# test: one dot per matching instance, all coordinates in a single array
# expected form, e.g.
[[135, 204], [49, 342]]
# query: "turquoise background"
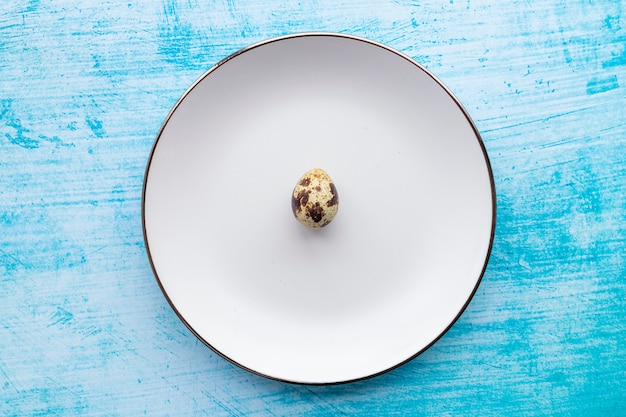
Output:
[[84, 89]]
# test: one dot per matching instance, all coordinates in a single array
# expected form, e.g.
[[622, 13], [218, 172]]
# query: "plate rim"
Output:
[[344, 36]]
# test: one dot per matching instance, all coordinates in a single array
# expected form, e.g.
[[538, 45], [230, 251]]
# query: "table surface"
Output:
[[84, 89]]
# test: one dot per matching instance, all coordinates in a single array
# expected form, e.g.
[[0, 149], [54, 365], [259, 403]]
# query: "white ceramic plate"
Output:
[[399, 263]]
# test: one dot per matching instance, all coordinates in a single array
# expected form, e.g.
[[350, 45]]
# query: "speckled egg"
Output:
[[315, 200]]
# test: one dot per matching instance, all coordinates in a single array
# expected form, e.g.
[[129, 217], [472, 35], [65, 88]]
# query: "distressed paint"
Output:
[[84, 88]]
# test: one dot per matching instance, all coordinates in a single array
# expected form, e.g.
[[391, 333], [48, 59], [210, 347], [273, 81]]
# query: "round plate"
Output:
[[403, 256]]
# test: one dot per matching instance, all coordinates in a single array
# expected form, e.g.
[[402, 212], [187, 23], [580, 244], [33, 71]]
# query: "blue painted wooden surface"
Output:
[[84, 88]]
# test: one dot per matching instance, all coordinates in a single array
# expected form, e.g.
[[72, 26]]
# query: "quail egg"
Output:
[[314, 200]]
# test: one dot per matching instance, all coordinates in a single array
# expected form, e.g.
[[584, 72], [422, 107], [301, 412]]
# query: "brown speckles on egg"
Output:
[[335, 198], [315, 212], [298, 200], [314, 200]]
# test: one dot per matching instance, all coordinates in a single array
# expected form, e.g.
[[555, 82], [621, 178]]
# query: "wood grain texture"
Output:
[[84, 88]]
